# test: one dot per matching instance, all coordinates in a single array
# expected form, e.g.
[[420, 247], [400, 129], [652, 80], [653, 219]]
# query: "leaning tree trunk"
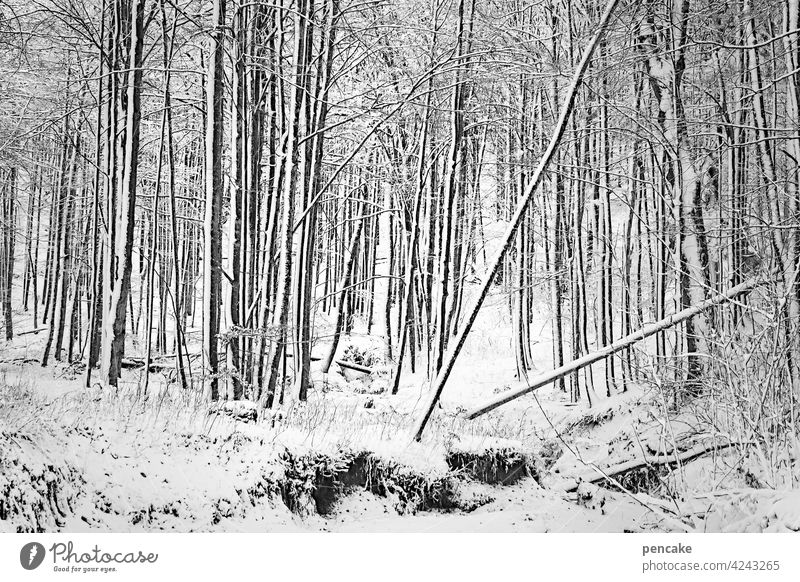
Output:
[[558, 132], [609, 350]]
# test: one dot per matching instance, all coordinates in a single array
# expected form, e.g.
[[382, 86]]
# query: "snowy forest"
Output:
[[399, 265]]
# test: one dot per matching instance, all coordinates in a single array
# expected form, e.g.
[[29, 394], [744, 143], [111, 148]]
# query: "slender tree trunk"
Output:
[[212, 227], [284, 281]]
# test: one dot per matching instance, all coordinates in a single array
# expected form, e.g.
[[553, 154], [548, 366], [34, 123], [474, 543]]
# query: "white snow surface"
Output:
[[163, 462]]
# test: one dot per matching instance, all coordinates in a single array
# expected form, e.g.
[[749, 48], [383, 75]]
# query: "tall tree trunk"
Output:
[[113, 346], [284, 281], [95, 305], [9, 189], [212, 227]]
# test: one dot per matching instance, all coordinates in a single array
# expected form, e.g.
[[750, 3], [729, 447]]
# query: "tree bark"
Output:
[[212, 227], [113, 347]]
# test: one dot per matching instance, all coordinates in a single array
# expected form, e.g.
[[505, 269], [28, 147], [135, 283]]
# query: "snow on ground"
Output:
[[524, 507], [118, 461]]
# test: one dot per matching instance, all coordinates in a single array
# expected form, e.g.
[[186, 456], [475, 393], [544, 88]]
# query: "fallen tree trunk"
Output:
[[608, 474], [356, 367], [558, 131], [313, 358], [628, 340], [32, 331], [131, 363]]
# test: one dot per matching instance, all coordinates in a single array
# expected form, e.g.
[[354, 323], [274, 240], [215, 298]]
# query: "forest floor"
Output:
[[76, 459]]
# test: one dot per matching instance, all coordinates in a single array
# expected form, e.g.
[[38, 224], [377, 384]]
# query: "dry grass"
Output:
[[326, 422]]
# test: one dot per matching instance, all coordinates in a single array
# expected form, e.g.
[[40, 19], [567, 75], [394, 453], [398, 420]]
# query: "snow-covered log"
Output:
[[600, 475], [588, 359]]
